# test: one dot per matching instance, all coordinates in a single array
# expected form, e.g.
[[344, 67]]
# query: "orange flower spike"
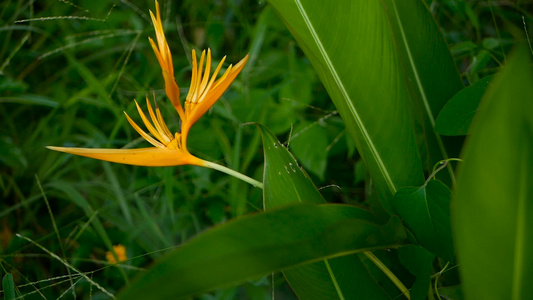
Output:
[[162, 52], [148, 157], [205, 91]]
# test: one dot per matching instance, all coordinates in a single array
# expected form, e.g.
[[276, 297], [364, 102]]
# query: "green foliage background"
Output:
[[68, 70]]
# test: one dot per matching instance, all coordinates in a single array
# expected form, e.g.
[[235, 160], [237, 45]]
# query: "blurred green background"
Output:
[[68, 70]]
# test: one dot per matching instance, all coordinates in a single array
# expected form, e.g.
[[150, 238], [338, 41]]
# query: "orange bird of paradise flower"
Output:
[[171, 149]]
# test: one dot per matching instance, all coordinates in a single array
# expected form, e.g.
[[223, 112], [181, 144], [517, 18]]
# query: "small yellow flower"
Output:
[[170, 149], [120, 251]]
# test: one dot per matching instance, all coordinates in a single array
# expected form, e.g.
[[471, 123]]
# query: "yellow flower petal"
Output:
[[148, 138], [120, 251], [148, 125], [162, 121], [149, 157], [162, 129]]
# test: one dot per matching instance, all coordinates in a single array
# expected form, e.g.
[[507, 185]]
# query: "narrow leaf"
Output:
[[493, 210], [8, 285], [285, 182], [262, 243]]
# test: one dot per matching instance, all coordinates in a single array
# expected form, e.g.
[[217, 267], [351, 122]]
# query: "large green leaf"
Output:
[[383, 63], [314, 158], [426, 212], [285, 182], [258, 244], [432, 77], [418, 261], [352, 48], [456, 116], [492, 214]]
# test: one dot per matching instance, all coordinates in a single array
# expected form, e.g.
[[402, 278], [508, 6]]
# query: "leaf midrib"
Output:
[[422, 90], [341, 87], [518, 260]]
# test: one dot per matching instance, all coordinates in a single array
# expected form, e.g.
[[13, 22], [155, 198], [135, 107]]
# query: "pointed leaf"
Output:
[[418, 261], [314, 158], [262, 243], [457, 114], [493, 210], [328, 279], [285, 182], [426, 212]]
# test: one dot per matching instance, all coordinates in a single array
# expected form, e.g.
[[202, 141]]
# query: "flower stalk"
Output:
[[234, 173]]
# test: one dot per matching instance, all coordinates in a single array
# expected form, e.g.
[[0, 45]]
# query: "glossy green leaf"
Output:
[[426, 212], [418, 261], [262, 243], [431, 74], [309, 144], [8, 286], [456, 116], [493, 209], [327, 279], [285, 182], [356, 58]]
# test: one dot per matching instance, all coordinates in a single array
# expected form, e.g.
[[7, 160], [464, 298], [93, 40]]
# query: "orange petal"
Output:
[[164, 57], [165, 134], [162, 121], [215, 74], [203, 84], [148, 125], [150, 157], [214, 94], [173, 92], [147, 137]]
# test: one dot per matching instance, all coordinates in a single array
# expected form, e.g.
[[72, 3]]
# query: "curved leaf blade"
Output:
[[418, 261], [262, 243], [286, 183], [426, 212], [432, 77], [493, 209], [456, 116]]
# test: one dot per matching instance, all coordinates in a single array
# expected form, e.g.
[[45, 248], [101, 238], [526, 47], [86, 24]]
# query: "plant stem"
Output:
[[389, 273], [233, 173]]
